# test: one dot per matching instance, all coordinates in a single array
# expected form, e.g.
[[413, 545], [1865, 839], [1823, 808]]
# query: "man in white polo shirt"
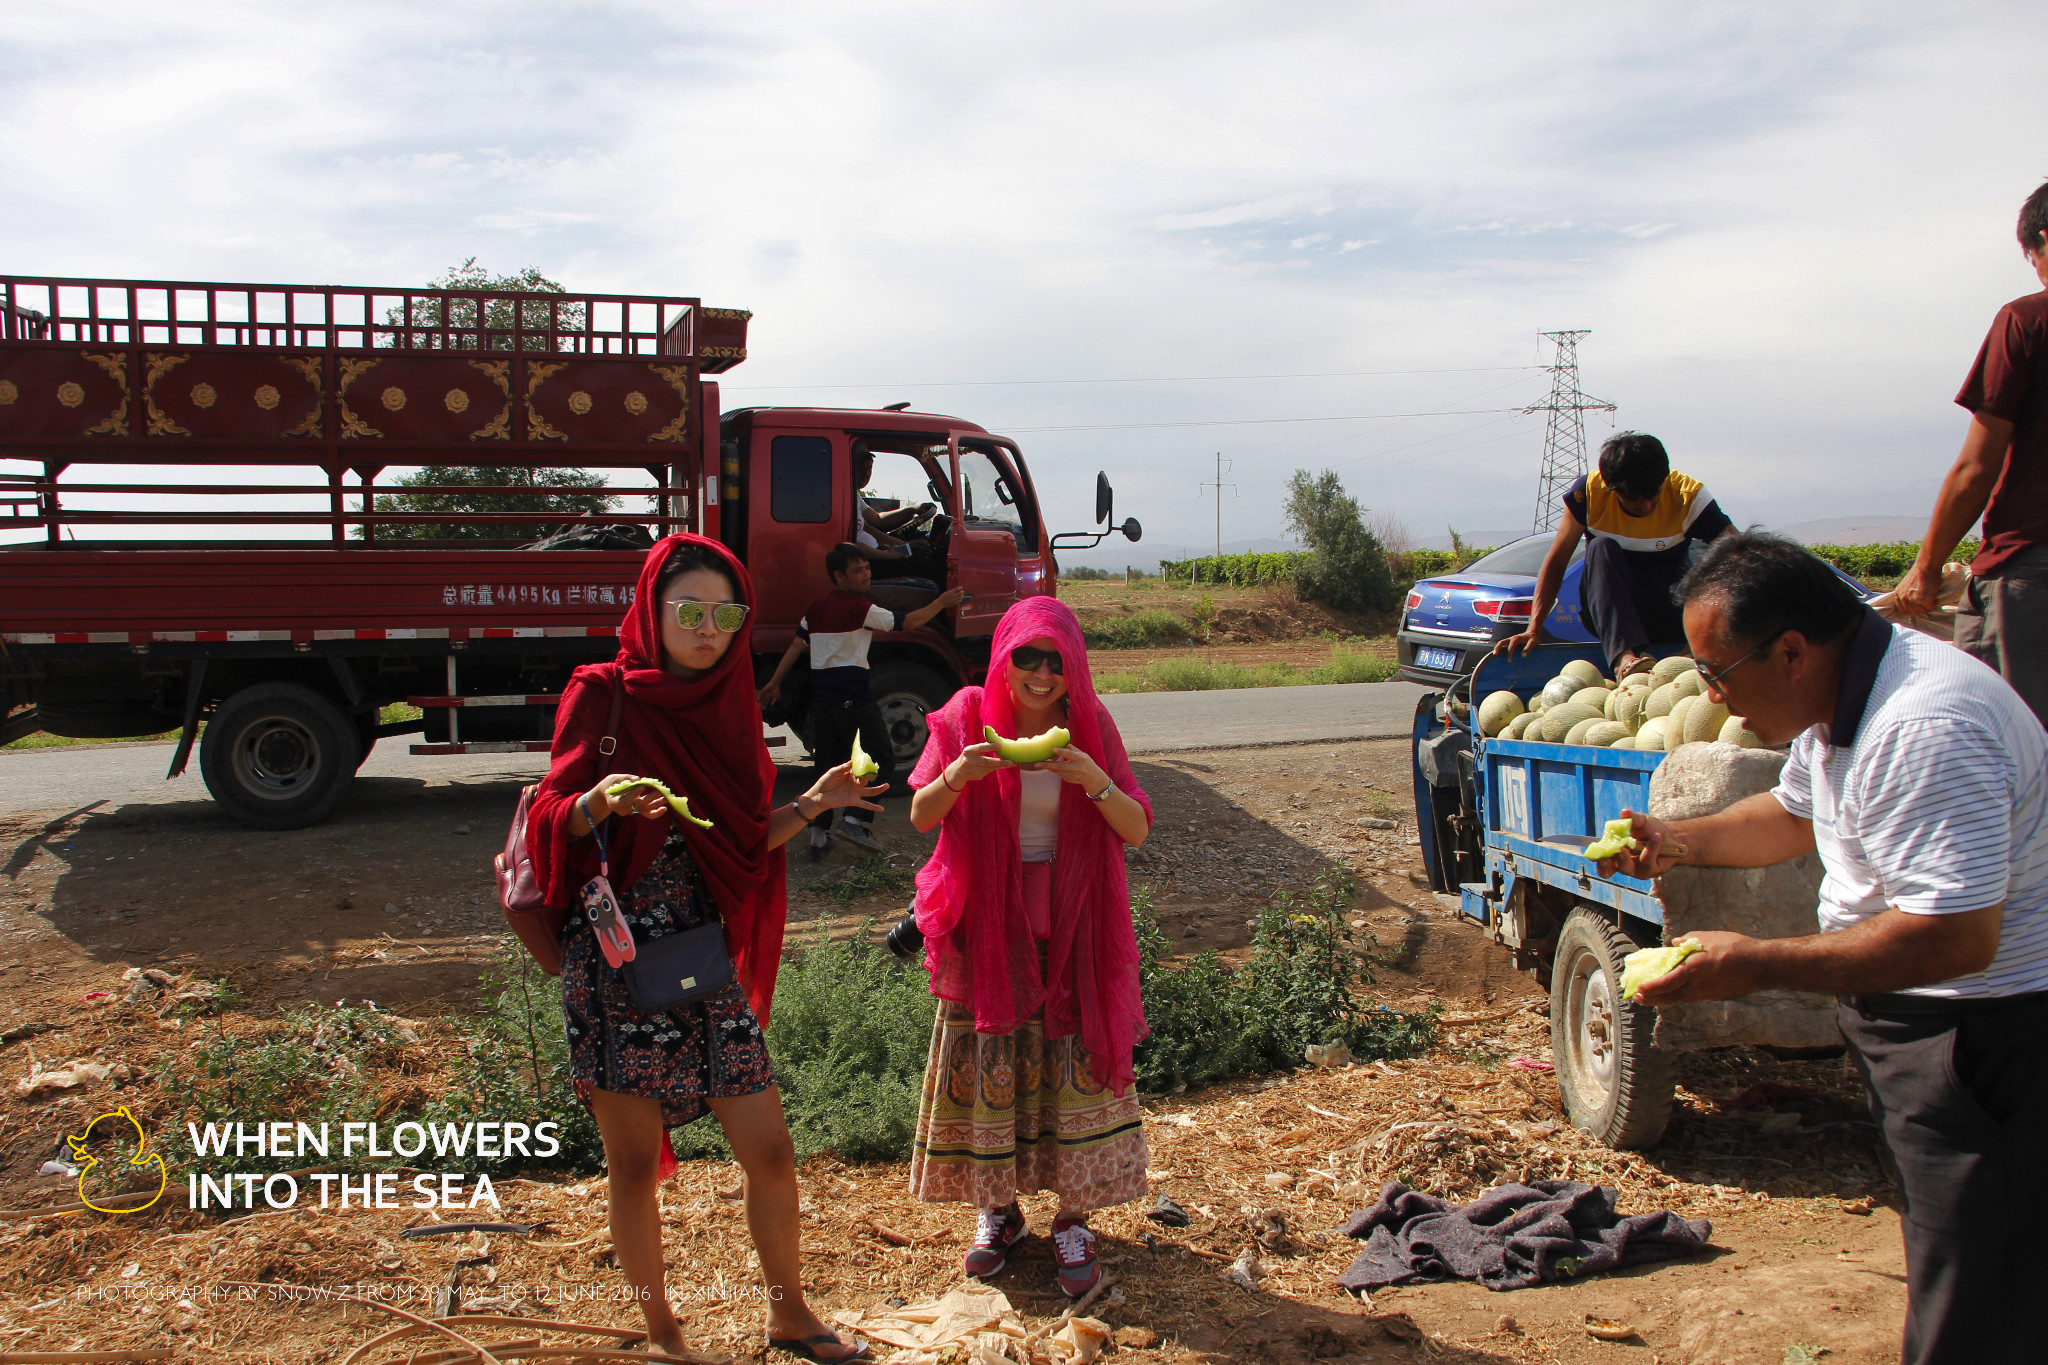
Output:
[[1921, 778]]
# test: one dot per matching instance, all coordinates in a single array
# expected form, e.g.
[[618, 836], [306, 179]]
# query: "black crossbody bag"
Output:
[[675, 969]]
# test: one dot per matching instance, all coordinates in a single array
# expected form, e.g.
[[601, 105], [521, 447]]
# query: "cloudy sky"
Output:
[[1132, 235]]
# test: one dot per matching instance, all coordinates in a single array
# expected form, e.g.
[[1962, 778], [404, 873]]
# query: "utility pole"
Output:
[[1219, 486], [1564, 439]]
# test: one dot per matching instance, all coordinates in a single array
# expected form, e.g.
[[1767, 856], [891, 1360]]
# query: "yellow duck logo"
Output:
[[86, 1161]]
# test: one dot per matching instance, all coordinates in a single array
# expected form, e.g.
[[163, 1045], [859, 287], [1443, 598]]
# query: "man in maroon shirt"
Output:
[[2002, 474]]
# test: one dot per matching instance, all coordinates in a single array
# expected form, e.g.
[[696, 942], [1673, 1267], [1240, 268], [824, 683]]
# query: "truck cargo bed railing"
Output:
[[297, 317]]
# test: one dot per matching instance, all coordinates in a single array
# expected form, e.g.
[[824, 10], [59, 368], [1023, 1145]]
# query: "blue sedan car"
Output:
[[1450, 623]]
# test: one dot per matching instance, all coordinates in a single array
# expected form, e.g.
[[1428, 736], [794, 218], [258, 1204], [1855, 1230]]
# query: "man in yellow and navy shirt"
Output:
[[1641, 517]]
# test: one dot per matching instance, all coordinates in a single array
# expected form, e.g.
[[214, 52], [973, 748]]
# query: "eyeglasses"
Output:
[[1029, 657], [725, 616], [1714, 680]]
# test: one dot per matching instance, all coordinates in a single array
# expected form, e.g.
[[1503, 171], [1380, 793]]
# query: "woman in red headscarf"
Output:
[[689, 717], [1028, 937]]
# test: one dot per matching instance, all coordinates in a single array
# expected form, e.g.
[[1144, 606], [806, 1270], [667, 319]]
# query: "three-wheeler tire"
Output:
[[1614, 1084], [278, 755], [905, 693]]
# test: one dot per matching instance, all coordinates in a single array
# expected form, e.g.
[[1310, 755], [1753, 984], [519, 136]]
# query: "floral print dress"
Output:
[[708, 1049]]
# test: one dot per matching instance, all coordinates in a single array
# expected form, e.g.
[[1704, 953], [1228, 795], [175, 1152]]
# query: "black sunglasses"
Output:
[[1029, 657]]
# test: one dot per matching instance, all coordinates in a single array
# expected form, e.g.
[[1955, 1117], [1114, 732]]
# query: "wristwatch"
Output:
[[1103, 795]]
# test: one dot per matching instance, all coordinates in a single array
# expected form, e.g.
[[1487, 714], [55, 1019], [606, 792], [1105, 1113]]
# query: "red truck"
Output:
[[287, 649]]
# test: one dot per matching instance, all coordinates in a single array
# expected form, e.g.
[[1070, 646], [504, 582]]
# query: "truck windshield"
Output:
[[987, 496]]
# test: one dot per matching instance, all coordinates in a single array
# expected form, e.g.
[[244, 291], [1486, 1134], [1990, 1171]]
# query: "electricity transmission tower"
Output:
[[1564, 438], [1219, 486]]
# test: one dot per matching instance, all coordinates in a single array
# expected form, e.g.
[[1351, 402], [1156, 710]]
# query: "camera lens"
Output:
[[906, 940]]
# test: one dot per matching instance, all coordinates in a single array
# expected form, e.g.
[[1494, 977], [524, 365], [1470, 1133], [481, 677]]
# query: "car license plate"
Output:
[[1445, 659]]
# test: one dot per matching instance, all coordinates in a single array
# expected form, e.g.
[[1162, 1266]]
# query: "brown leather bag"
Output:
[[538, 924]]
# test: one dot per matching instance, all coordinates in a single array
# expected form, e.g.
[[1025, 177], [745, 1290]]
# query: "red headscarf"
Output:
[[702, 736], [970, 896]]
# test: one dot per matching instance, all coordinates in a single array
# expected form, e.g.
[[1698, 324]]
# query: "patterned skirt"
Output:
[[1011, 1113], [708, 1049]]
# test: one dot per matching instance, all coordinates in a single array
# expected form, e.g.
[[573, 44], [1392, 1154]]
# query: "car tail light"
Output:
[[1515, 609], [1414, 601]]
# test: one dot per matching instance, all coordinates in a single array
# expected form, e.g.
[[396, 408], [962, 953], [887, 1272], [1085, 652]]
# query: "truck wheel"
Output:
[[366, 737], [905, 693], [1613, 1083], [278, 755]]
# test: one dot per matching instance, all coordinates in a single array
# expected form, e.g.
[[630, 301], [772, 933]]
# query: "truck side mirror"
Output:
[[1105, 499], [1132, 531]]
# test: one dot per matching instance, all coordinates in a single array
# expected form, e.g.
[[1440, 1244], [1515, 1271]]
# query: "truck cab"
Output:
[[786, 495]]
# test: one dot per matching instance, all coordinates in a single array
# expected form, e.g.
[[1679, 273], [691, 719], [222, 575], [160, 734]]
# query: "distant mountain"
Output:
[[1855, 530]]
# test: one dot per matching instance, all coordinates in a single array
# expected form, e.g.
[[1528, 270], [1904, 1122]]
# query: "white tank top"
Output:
[[1038, 815]]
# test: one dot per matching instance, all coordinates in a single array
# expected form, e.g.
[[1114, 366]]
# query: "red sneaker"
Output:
[[995, 1232], [1073, 1251]]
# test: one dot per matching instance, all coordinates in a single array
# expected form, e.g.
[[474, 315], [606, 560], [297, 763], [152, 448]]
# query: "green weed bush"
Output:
[[1148, 628], [1305, 982]]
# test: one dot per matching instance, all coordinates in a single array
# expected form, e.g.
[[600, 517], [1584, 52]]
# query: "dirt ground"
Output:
[[391, 901]]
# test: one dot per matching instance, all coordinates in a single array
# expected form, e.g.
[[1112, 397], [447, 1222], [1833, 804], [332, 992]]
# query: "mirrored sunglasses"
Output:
[[1029, 657], [725, 616]]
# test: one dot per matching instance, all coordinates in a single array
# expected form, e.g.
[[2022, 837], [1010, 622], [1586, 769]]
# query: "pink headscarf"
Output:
[[970, 896]]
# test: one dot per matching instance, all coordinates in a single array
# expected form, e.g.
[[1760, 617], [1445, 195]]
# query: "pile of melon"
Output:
[[1661, 710]]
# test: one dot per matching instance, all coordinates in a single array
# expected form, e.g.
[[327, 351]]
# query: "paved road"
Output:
[[1152, 723]]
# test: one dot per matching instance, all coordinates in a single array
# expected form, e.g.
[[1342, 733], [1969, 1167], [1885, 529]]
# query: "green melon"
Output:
[[1577, 734], [1733, 731], [1587, 672], [1604, 734], [1559, 720], [1595, 697], [1674, 719], [1628, 707], [1497, 710], [1559, 689], [1625, 742], [1651, 736], [1517, 727], [1690, 683], [1664, 670], [1659, 702], [1705, 720]]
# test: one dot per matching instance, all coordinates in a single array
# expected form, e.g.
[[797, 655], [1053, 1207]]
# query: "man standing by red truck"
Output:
[[2002, 475], [838, 630]]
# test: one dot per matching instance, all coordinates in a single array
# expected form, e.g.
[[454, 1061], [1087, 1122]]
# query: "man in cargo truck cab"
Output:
[[1921, 779], [1642, 517]]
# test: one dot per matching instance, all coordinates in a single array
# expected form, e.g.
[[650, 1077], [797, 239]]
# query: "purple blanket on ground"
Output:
[[1510, 1237]]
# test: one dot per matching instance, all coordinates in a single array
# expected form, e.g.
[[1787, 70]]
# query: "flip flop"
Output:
[[801, 1348], [1642, 663]]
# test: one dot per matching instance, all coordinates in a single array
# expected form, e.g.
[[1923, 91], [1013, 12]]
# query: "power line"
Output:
[[1265, 421], [1159, 379], [1564, 438]]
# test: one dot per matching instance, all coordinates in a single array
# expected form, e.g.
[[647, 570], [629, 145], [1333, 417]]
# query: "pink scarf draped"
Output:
[[970, 896]]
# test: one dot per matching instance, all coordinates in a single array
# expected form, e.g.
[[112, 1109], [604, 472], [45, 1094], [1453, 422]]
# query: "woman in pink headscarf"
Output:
[[1028, 937]]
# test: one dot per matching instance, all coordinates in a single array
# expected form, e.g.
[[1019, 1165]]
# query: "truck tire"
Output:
[[905, 693], [1613, 1083], [278, 755], [366, 737]]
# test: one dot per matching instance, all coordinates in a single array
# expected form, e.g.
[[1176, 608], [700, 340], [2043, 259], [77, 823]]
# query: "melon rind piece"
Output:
[[1645, 965], [1497, 710], [1559, 720]]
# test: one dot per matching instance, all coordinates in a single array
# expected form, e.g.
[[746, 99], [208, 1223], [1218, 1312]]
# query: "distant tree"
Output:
[[553, 508], [1347, 567]]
